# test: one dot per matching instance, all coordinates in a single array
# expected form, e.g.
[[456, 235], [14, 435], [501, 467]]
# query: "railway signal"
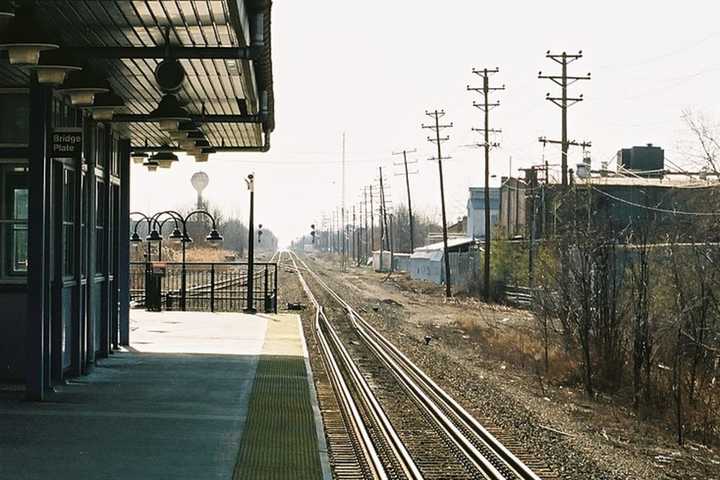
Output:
[[260, 232], [312, 232]]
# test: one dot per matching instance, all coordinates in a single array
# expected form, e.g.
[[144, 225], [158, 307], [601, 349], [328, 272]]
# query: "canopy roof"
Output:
[[224, 47]]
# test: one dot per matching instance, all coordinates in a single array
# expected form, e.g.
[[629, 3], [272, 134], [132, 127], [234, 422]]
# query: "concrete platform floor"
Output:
[[176, 406]]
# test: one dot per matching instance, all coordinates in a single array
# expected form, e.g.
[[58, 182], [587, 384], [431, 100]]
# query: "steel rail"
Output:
[[330, 342], [415, 380]]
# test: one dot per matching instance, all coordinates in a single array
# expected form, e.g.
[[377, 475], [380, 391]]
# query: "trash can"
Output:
[[153, 289]]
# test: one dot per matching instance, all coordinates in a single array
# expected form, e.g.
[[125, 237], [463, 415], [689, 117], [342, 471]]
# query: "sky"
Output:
[[372, 69]]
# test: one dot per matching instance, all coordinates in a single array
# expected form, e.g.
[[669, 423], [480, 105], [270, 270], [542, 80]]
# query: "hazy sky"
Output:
[[372, 68]]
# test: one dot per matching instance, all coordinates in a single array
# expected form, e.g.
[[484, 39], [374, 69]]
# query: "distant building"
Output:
[[641, 193], [428, 263], [513, 216], [476, 211]]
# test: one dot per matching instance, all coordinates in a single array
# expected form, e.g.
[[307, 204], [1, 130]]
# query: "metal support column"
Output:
[[123, 269], [37, 348]]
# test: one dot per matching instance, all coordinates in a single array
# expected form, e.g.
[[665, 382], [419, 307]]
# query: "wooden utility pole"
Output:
[[372, 222], [437, 114], [486, 106], [366, 222], [344, 223], [385, 240], [564, 102], [409, 200]]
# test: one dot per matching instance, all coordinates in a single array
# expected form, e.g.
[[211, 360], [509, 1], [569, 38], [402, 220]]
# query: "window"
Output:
[[14, 118], [13, 221], [68, 222], [100, 251]]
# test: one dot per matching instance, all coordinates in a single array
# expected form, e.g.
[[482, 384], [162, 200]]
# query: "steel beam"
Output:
[[147, 118], [211, 53]]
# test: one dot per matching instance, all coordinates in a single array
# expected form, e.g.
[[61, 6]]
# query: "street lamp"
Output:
[[155, 228], [250, 306]]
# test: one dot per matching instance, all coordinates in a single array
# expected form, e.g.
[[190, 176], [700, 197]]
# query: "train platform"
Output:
[[196, 396]]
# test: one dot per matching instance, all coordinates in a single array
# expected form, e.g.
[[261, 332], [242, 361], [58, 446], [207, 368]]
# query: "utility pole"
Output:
[[486, 106], [344, 223], [437, 114], [407, 185], [372, 222], [366, 223], [385, 240], [564, 102]]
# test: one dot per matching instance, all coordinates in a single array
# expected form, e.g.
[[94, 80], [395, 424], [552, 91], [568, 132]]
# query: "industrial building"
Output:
[[641, 193], [476, 211]]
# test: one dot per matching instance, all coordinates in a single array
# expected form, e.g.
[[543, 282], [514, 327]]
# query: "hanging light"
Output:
[[169, 113], [176, 235], [105, 105], [82, 87], [135, 238], [22, 38], [154, 236], [202, 157], [183, 129], [53, 67], [150, 164], [165, 159], [138, 157], [214, 238]]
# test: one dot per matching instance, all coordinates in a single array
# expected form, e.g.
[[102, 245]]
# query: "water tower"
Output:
[[200, 181]]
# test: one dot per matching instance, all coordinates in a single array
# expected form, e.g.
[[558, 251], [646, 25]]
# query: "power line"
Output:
[[656, 209]]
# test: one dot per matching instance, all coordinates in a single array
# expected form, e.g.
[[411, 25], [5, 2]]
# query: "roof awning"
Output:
[[223, 46]]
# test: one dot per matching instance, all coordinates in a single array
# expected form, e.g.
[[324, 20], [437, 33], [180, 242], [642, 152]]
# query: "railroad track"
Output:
[[400, 423]]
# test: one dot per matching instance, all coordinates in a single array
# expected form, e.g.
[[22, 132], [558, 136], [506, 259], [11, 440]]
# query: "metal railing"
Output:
[[208, 287]]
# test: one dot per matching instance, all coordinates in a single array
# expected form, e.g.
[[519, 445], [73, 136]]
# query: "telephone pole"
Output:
[[486, 106], [372, 222], [437, 114], [407, 184], [366, 222], [563, 101], [344, 223], [385, 240]]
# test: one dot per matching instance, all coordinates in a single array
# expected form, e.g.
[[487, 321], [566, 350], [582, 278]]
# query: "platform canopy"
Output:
[[223, 46]]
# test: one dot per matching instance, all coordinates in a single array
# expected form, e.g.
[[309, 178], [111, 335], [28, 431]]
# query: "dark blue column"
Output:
[[37, 348], [123, 243]]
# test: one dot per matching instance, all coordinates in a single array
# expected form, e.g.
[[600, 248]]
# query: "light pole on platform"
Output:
[[250, 307]]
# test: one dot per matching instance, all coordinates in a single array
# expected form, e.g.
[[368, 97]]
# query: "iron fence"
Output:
[[198, 287]]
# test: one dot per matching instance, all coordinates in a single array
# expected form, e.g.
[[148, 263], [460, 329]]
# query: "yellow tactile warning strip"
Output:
[[280, 439], [282, 336]]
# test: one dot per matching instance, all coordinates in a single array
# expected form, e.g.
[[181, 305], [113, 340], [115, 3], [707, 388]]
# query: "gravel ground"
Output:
[[579, 439]]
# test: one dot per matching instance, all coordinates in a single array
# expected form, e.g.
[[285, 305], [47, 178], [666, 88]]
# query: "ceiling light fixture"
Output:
[[82, 87], [169, 113], [22, 38], [105, 105]]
